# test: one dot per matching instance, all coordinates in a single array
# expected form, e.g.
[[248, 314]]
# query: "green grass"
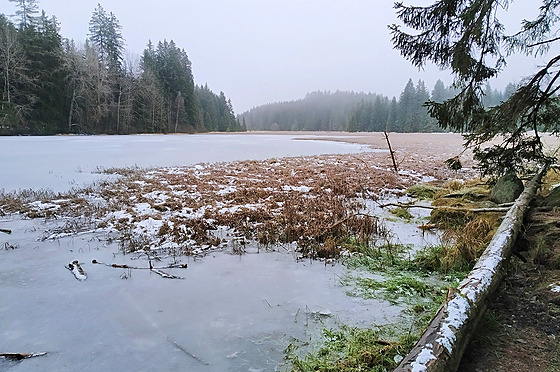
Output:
[[435, 258], [387, 257], [352, 349], [403, 213], [422, 191], [391, 289]]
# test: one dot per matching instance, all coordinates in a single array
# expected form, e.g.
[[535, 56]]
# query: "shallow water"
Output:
[[60, 163], [230, 313]]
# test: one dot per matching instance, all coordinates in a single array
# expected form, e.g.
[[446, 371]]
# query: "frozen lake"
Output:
[[229, 313], [60, 163]]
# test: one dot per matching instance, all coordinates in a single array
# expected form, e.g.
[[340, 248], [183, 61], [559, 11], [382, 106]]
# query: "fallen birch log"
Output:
[[444, 341]]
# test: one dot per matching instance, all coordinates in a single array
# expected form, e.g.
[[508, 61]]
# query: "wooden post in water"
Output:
[[391, 151]]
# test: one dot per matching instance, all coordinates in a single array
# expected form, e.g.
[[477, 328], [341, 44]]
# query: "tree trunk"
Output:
[[71, 113], [119, 110], [444, 341]]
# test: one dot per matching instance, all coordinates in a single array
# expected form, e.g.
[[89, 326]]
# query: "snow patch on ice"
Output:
[[226, 190], [143, 209], [428, 179], [119, 215], [40, 206], [157, 196], [236, 208], [148, 226]]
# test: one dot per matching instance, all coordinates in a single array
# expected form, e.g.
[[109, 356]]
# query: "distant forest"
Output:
[[360, 112], [52, 85]]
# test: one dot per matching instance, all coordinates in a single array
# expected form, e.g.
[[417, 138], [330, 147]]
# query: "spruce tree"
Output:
[[27, 11], [105, 34], [467, 37]]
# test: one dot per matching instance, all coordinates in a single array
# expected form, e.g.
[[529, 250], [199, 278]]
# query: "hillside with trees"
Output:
[[360, 112], [53, 85]]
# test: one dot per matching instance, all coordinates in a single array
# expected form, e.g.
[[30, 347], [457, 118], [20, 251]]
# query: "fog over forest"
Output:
[[361, 112]]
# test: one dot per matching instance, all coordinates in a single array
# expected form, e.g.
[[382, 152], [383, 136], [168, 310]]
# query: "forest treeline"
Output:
[[361, 112], [52, 85]]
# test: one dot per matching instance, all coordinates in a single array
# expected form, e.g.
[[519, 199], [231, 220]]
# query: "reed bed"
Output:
[[314, 202]]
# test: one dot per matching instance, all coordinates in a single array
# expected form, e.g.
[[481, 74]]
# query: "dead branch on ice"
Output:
[[77, 270], [156, 270], [6, 231], [444, 341], [20, 356], [119, 266], [391, 152], [459, 209], [165, 275], [184, 350]]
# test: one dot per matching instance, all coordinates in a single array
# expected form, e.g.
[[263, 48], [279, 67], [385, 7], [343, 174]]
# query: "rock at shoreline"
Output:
[[507, 189]]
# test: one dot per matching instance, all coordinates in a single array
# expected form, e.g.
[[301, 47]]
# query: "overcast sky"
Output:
[[262, 51]]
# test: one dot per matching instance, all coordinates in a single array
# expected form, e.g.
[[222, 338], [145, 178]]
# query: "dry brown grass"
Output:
[[467, 241], [312, 201]]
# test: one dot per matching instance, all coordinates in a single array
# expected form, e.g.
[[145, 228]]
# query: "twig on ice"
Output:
[[76, 269], [20, 356], [474, 210], [180, 347], [156, 270]]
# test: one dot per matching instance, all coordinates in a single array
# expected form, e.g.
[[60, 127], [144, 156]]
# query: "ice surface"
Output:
[[63, 162], [232, 312]]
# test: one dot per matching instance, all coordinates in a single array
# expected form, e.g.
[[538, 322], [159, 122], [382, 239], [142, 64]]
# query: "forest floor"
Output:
[[521, 330]]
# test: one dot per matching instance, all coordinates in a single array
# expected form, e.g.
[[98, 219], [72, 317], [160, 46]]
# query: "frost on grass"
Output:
[[312, 201]]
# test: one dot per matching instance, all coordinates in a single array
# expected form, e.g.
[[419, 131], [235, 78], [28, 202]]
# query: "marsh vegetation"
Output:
[[326, 208]]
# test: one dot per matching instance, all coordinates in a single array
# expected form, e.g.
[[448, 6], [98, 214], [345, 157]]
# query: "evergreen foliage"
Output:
[[467, 37], [356, 112], [51, 85]]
